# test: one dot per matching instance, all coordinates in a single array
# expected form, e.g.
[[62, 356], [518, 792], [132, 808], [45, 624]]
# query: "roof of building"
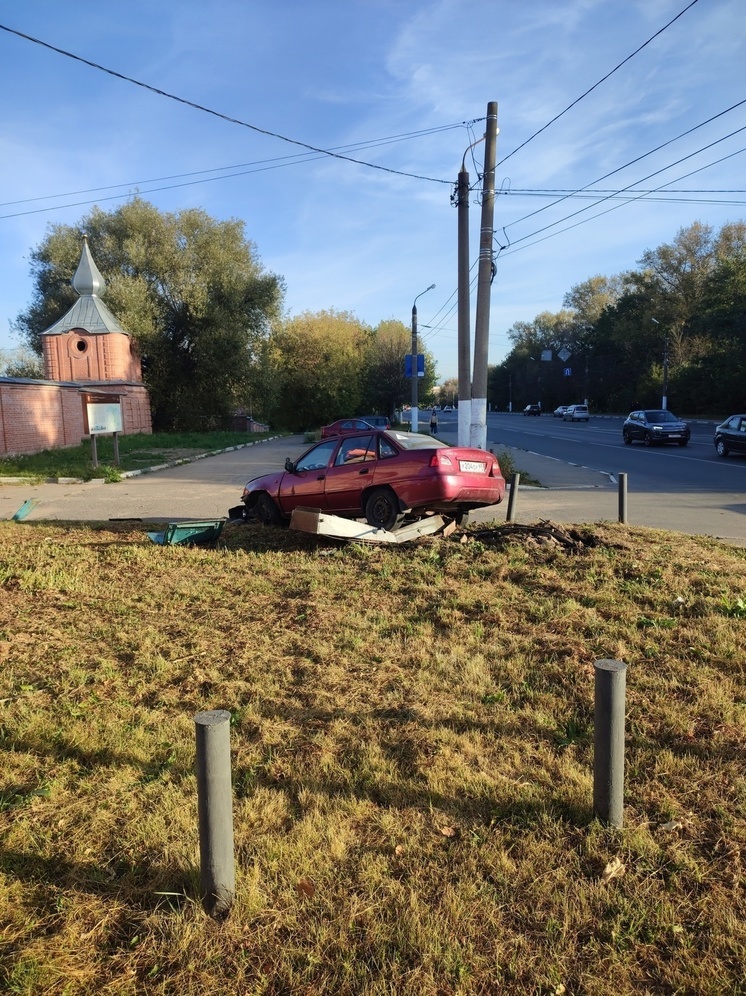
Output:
[[89, 312]]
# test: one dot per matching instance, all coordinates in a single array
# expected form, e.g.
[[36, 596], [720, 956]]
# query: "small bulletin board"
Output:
[[104, 417]]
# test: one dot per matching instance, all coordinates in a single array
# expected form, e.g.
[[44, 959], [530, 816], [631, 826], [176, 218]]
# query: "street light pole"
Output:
[[415, 385]]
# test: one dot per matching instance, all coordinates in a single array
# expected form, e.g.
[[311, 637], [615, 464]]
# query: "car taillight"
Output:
[[440, 459]]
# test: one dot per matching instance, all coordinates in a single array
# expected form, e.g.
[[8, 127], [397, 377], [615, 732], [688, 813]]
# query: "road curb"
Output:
[[144, 470]]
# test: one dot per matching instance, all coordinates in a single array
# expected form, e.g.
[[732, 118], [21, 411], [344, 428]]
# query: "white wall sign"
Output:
[[104, 418]]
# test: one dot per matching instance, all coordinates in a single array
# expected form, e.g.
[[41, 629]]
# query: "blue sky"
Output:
[[399, 84]]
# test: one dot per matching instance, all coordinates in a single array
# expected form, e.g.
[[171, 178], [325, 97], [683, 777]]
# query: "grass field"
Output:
[[412, 752], [136, 452]]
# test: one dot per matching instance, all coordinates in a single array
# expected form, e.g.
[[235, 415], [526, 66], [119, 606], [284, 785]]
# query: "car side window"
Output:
[[318, 457], [385, 449], [355, 449]]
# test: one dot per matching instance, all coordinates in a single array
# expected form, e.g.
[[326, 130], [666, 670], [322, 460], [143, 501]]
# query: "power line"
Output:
[[602, 80], [518, 247], [261, 165], [632, 162], [217, 114]]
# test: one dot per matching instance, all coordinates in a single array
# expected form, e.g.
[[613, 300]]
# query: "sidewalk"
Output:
[[207, 488]]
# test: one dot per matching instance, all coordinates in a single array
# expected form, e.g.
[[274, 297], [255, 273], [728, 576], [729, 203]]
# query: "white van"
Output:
[[576, 413]]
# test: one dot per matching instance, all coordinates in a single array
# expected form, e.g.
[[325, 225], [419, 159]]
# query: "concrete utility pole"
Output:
[[464, 305], [478, 431]]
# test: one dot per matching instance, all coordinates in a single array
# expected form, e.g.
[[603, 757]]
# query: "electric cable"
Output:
[[214, 113], [602, 80], [517, 247]]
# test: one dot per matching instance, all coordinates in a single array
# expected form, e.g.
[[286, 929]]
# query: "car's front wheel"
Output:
[[683, 442], [627, 438], [266, 511], [648, 439], [382, 509], [721, 449]]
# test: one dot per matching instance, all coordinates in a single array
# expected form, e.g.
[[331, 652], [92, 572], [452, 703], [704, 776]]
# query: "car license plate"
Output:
[[674, 435], [471, 467]]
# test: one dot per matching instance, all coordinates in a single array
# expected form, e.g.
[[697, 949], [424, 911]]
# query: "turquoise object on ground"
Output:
[[186, 533], [23, 511]]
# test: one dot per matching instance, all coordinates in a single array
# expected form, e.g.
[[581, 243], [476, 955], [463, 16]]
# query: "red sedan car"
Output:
[[344, 426], [378, 476]]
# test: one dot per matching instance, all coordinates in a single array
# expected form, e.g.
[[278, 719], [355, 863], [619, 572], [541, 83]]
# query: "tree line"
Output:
[[679, 318], [208, 322]]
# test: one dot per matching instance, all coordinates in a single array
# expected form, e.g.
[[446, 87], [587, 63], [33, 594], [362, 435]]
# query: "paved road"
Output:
[[598, 444], [208, 488]]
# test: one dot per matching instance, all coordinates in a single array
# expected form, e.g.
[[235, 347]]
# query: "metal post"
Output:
[[608, 759], [623, 498], [116, 449], [664, 402], [414, 424], [215, 808], [514, 482], [94, 451]]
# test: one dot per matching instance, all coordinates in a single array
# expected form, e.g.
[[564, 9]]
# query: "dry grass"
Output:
[[412, 759]]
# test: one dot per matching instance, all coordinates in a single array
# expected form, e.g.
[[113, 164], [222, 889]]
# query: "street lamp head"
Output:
[[420, 295]]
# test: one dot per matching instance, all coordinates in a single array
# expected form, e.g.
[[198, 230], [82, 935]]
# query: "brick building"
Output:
[[88, 357]]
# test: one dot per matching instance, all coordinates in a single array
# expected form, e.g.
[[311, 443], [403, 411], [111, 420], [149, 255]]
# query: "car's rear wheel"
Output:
[[382, 509], [648, 439], [721, 449], [627, 438], [266, 511]]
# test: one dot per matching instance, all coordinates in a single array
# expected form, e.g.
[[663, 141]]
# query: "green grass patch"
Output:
[[412, 752], [136, 452]]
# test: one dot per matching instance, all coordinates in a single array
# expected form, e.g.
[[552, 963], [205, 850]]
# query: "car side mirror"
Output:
[[289, 465]]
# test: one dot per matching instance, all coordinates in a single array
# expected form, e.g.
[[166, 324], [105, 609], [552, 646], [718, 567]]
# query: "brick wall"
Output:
[[78, 355], [39, 415]]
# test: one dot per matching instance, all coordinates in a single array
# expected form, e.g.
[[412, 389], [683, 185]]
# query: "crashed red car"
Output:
[[379, 476]]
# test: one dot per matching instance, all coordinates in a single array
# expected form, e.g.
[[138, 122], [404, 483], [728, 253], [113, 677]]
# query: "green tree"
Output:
[[319, 363], [190, 289], [20, 362], [385, 386]]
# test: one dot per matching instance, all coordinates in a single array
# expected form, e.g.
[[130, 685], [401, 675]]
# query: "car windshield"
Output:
[[416, 441], [660, 416]]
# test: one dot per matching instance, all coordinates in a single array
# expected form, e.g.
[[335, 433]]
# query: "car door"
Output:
[[636, 425], [351, 471], [737, 435], [305, 486]]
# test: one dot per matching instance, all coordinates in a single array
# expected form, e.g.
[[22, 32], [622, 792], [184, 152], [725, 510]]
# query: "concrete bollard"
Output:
[[215, 808], [608, 742], [623, 499], [514, 482]]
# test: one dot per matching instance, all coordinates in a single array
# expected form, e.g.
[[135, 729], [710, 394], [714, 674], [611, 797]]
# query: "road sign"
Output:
[[420, 365], [568, 371]]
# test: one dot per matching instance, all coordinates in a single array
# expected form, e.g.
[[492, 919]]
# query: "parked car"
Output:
[[377, 476], [576, 413], [448, 408], [532, 410], [343, 426], [730, 436], [377, 421], [655, 425], [560, 411]]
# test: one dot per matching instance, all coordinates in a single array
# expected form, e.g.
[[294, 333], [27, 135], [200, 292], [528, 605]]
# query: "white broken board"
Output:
[[311, 520]]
